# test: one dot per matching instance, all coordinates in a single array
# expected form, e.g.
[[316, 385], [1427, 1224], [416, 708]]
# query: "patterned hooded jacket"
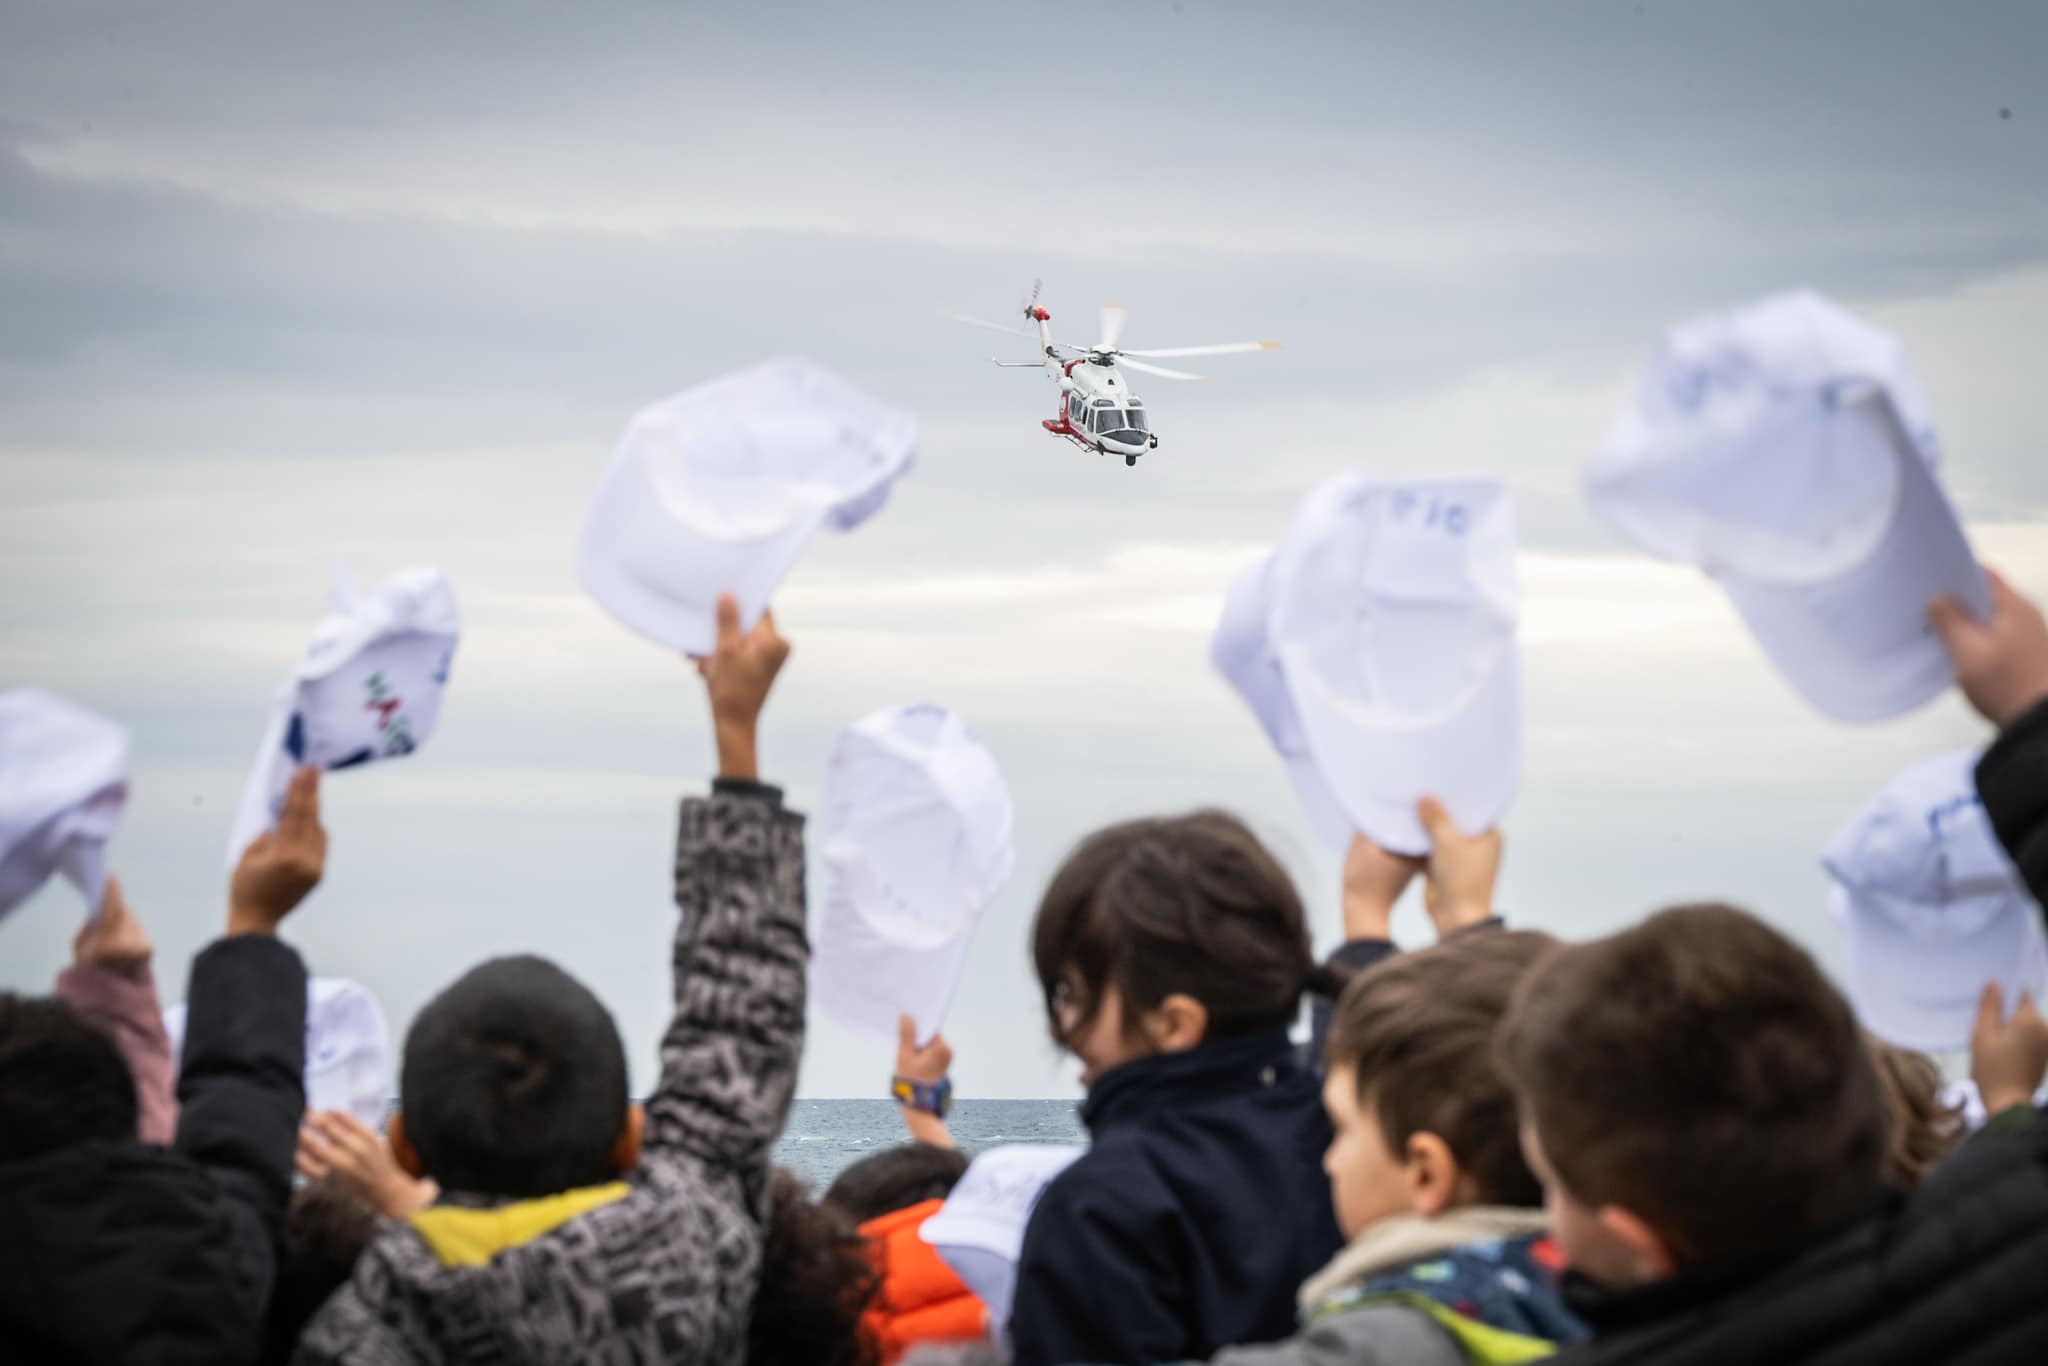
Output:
[[660, 1266], [1474, 1287]]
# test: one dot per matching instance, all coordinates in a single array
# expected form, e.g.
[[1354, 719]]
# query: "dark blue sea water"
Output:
[[825, 1136]]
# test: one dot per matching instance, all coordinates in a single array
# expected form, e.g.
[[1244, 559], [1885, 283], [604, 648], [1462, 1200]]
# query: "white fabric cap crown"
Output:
[[916, 832], [1394, 615], [63, 785], [718, 488], [1933, 907], [348, 1049], [1786, 449], [369, 688]]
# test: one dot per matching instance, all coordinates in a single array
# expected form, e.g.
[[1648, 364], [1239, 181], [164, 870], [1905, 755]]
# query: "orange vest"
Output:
[[921, 1300]]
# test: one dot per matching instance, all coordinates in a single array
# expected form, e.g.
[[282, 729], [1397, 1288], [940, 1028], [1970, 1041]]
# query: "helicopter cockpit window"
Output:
[[1135, 419]]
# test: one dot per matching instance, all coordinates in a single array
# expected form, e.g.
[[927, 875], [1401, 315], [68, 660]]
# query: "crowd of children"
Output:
[[1673, 1144]]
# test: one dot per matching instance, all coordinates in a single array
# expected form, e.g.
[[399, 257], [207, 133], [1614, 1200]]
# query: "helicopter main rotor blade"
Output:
[[1226, 349], [1113, 316], [983, 322], [1124, 361]]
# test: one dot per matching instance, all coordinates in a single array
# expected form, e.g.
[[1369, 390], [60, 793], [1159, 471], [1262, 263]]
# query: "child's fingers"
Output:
[[2028, 1016], [1990, 1014], [347, 1136], [728, 623], [301, 814]]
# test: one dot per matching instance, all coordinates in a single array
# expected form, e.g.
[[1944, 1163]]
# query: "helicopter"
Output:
[[1098, 411]]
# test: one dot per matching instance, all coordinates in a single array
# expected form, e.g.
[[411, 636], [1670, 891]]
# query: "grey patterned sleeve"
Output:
[[729, 1058]]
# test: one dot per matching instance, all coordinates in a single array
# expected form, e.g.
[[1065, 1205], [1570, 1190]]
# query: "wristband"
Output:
[[934, 1098]]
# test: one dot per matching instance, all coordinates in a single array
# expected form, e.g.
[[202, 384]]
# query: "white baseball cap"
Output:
[[979, 1230], [370, 687], [916, 827], [1393, 613], [1785, 448], [348, 1049], [1242, 651], [63, 784], [1933, 907], [717, 489]]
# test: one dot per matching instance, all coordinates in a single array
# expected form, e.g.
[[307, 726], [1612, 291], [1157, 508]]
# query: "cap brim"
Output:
[[663, 579], [1379, 769], [1922, 993], [867, 982], [1858, 646]]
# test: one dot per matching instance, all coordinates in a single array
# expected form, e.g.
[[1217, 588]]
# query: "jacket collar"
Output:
[[1396, 1242], [1137, 1091], [470, 1236]]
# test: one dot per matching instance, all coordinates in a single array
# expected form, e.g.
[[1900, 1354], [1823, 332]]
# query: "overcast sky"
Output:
[[280, 287]]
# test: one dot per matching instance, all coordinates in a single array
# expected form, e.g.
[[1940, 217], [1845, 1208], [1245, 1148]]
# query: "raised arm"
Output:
[[729, 1058], [1458, 876], [110, 983], [2002, 667], [241, 1088]]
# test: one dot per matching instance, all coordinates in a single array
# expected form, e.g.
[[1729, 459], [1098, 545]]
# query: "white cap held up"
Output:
[[1933, 907], [63, 785], [1786, 449], [916, 830], [369, 687], [1393, 613], [718, 488]]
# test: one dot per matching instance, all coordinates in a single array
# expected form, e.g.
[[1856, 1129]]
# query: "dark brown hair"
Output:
[[1919, 1128], [1699, 1071], [1418, 1031], [816, 1282], [896, 1178], [327, 1226], [1191, 905]]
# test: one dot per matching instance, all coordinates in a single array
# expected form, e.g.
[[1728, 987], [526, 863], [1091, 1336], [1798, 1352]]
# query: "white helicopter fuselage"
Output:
[[1098, 411]]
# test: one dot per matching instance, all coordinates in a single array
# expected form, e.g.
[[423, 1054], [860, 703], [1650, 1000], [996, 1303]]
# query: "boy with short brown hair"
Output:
[[1447, 1262], [1707, 1122]]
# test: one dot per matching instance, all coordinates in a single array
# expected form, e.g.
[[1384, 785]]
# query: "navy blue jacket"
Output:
[[1193, 1219]]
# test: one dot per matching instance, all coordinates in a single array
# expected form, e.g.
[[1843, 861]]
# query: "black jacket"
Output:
[[1957, 1273], [123, 1252], [1192, 1220]]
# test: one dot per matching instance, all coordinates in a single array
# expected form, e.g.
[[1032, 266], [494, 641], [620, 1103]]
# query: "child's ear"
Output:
[[1650, 1256], [626, 1152], [1177, 1024], [1435, 1181], [402, 1150]]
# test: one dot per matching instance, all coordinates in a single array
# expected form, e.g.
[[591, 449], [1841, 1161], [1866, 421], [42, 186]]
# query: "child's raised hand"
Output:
[[335, 1143], [1462, 868], [1373, 881], [737, 675], [2008, 1056], [280, 866], [114, 939], [926, 1062], [2002, 664]]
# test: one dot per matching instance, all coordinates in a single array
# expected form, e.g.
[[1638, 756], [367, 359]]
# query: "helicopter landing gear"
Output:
[[1130, 460]]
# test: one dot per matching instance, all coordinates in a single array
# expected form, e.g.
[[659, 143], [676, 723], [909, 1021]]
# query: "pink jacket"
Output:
[[126, 1007]]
